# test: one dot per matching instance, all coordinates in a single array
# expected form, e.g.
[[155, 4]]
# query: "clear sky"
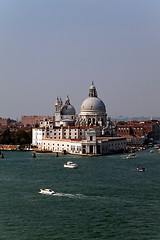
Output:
[[58, 47]]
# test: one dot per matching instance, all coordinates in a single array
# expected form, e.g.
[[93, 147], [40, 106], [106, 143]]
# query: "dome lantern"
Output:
[[92, 91], [67, 101]]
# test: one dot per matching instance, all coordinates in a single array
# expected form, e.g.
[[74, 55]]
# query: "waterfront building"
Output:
[[139, 132], [90, 133], [98, 146]]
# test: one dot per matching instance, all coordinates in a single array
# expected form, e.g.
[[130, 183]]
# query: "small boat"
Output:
[[47, 191], [33, 155], [151, 151], [140, 169], [150, 144], [156, 146], [70, 165], [132, 155]]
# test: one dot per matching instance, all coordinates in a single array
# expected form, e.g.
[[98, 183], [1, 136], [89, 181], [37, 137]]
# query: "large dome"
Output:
[[68, 110], [92, 104]]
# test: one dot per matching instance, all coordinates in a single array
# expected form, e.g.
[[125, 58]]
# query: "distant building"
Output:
[[34, 120], [134, 130], [5, 121], [90, 133]]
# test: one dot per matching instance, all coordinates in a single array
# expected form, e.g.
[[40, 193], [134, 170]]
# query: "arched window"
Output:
[[102, 121], [89, 121]]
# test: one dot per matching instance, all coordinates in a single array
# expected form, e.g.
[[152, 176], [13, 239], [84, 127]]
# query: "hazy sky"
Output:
[[51, 48]]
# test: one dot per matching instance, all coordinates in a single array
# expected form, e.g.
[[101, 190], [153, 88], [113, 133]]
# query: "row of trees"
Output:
[[19, 137]]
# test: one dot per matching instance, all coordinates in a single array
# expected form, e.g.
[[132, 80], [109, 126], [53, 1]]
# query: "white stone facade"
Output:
[[86, 147], [37, 136]]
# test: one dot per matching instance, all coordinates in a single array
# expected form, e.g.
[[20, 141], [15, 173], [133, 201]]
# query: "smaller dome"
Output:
[[68, 110]]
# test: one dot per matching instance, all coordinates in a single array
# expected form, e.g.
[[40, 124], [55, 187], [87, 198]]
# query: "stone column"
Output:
[[95, 149], [87, 149]]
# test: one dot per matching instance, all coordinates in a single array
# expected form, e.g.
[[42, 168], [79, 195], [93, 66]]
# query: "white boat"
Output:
[[47, 191], [132, 155], [151, 151], [140, 169], [70, 165]]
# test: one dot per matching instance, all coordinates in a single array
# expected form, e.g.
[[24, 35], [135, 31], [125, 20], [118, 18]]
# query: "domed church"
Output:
[[93, 110], [90, 133]]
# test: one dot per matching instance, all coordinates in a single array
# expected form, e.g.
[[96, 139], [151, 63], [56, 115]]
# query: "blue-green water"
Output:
[[105, 198]]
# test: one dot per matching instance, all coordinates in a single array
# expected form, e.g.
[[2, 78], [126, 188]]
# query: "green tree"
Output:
[[6, 137], [20, 137]]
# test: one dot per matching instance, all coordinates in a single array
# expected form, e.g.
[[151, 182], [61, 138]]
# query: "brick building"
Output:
[[5, 121], [148, 128], [34, 120]]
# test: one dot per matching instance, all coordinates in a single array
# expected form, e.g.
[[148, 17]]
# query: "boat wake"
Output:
[[77, 196], [69, 195]]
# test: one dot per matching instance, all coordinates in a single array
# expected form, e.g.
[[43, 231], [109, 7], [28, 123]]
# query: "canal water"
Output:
[[104, 198]]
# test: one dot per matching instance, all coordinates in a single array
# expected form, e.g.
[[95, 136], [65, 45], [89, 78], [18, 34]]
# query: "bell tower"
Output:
[[58, 106]]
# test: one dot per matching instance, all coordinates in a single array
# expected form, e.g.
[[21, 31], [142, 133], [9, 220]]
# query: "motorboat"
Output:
[[157, 146], [132, 155], [33, 155], [70, 164], [151, 151], [140, 169], [47, 191]]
